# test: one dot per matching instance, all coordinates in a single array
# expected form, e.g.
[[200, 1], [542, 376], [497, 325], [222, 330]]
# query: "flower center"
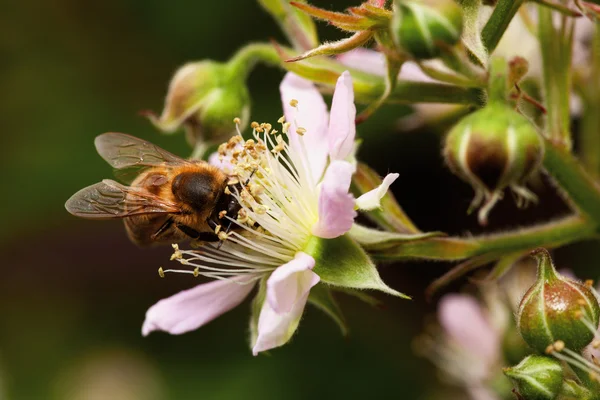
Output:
[[279, 206]]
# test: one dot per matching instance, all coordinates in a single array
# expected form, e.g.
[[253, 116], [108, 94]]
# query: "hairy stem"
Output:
[[246, 58], [581, 188], [496, 26], [552, 234], [590, 132]]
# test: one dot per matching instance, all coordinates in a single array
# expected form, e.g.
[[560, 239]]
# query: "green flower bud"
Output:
[[494, 148], [423, 28], [557, 310], [537, 377], [204, 97]]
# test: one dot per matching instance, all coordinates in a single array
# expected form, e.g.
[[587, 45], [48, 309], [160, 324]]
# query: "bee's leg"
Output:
[[194, 234], [162, 228]]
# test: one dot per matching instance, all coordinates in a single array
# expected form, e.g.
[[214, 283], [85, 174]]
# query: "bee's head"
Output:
[[196, 189]]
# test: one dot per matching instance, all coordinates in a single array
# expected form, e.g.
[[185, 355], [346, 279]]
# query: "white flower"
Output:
[[292, 193]]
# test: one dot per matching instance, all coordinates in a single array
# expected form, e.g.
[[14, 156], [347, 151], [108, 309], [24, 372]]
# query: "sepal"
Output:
[[373, 239], [298, 27], [342, 262], [321, 297]]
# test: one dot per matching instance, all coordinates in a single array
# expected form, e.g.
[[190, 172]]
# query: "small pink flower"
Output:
[[297, 191], [467, 349]]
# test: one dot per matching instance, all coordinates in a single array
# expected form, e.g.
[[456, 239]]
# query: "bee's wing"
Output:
[[125, 151], [110, 199]]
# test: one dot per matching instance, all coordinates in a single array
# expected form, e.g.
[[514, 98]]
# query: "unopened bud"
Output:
[[557, 312], [422, 28], [492, 149], [537, 377], [204, 98]]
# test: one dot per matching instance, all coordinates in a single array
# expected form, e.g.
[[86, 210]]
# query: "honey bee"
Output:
[[170, 199]]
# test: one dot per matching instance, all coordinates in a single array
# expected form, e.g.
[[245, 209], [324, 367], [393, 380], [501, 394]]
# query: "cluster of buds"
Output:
[[558, 317]]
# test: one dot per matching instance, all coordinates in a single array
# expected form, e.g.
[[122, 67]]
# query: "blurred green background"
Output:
[[73, 293]]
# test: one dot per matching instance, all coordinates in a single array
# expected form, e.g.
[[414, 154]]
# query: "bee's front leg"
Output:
[[194, 234]]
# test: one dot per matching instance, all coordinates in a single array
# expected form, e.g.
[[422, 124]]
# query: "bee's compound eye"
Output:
[[194, 188]]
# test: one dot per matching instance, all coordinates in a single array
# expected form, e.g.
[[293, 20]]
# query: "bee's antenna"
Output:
[[229, 225], [250, 177]]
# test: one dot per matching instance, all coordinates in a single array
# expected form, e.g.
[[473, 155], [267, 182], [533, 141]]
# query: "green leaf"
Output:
[[342, 262], [373, 239], [255, 308], [321, 297]]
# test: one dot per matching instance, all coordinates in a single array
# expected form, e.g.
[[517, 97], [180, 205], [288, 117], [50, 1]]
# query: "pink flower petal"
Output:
[[276, 329], [464, 321], [291, 282], [310, 114], [342, 127], [190, 309], [372, 199], [221, 162], [336, 204], [374, 63], [365, 60]]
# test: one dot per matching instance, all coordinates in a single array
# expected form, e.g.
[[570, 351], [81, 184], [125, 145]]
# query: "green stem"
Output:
[[555, 45], [407, 92], [245, 59], [581, 188], [552, 234], [496, 26], [590, 132]]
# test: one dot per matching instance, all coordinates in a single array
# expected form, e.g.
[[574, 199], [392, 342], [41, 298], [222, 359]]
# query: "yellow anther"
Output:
[[233, 181], [223, 235], [294, 103], [589, 283], [222, 214], [227, 191], [281, 119], [217, 229], [256, 189], [254, 125], [559, 345], [300, 131], [196, 272], [237, 121], [285, 127], [596, 344], [161, 272]]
